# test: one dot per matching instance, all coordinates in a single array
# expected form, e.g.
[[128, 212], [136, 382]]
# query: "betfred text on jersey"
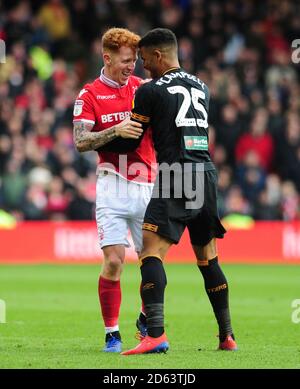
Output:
[[115, 117]]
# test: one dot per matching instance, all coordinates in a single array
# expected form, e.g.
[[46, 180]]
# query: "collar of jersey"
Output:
[[170, 70], [111, 83]]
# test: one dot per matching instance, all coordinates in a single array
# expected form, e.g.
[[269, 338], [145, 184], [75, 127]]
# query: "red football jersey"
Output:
[[105, 106]]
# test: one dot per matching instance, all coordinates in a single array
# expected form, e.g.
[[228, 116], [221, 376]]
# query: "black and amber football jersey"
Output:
[[175, 106]]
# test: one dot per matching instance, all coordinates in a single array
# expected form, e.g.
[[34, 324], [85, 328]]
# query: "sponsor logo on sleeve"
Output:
[[78, 107]]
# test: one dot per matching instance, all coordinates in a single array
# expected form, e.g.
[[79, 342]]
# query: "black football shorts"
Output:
[[168, 217]]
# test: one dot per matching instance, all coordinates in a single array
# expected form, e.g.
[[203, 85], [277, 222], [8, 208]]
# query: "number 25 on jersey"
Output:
[[189, 99]]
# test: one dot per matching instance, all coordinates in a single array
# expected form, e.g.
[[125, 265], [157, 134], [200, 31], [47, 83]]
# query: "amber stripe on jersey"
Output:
[[140, 118]]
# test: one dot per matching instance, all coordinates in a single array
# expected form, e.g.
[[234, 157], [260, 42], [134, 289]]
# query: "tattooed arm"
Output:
[[85, 140]]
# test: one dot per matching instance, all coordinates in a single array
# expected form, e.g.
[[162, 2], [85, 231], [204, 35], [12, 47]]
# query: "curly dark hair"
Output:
[[158, 37]]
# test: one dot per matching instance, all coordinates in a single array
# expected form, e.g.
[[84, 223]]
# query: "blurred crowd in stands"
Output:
[[241, 48]]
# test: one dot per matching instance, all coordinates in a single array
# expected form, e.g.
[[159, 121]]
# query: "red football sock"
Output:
[[110, 300]]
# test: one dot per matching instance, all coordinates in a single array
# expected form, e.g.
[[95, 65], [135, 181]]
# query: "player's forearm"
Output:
[[85, 140]]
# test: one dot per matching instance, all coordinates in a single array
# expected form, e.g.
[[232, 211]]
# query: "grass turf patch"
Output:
[[53, 318]]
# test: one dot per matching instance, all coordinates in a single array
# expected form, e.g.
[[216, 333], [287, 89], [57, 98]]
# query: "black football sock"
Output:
[[217, 290], [142, 318], [115, 334], [154, 281]]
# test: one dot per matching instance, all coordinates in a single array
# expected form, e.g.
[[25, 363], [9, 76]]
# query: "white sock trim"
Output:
[[111, 329]]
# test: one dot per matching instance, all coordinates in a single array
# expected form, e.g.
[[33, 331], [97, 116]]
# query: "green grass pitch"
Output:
[[53, 320]]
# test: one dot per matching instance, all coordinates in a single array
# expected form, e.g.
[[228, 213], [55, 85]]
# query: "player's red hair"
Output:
[[114, 38]]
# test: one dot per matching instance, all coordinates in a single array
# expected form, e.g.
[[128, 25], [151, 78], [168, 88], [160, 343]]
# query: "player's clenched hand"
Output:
[[129, 129]]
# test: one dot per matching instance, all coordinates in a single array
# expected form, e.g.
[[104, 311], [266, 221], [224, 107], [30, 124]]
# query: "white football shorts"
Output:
[[120, 206]]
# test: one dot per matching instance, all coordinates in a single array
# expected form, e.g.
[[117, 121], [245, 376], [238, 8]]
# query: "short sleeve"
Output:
[[83, 108]]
